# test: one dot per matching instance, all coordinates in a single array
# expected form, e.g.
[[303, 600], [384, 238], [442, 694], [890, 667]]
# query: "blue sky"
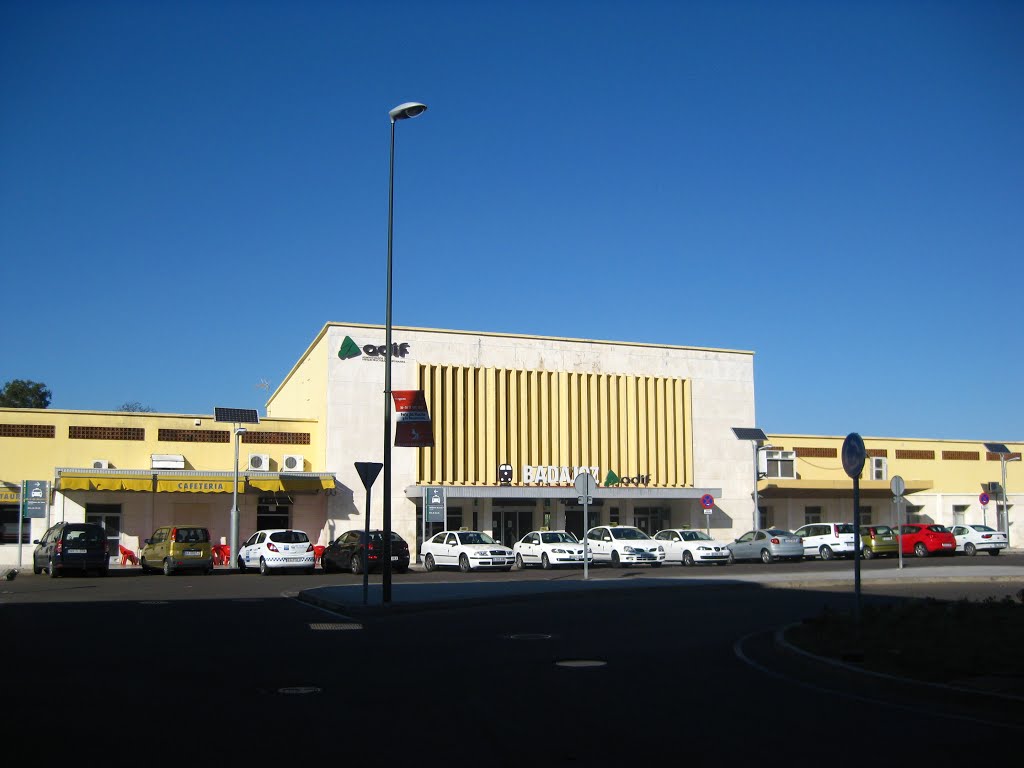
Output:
[[190, 190]]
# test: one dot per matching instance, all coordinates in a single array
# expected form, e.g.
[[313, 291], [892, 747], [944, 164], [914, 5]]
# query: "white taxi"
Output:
[[549, 549], [467, 551], [623, 545], [277, 549], [686, 546]]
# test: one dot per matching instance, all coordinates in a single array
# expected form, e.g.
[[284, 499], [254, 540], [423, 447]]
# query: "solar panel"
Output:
[[237, 415], [749, 433], [997, 448]]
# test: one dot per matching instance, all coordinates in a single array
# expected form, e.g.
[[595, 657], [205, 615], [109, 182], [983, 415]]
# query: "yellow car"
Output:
[[878, 540], [175, 548]]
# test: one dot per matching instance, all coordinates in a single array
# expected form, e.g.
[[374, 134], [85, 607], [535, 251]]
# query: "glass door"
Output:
[[109, 516]]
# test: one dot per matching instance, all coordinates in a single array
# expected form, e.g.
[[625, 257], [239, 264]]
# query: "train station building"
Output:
[[513, 420]]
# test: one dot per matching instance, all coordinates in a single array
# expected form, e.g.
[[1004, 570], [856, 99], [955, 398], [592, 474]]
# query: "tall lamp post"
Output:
[[1005, 457], [233, 542], [401, 112], [758, 441]]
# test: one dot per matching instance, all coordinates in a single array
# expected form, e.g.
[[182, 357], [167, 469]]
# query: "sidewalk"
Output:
[[350, 596]]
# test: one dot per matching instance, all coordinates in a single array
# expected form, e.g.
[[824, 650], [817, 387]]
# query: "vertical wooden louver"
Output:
[[483, 417]]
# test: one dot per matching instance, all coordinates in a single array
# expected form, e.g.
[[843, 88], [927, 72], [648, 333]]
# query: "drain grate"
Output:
[[336, 626]]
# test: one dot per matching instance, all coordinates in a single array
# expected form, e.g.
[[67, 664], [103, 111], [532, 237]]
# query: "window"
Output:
[[272, 512], [959, 513], [865, 517], [812, 515], [9, 525], [780, 464]]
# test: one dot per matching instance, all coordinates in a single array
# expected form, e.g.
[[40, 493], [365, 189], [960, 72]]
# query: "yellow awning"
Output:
[[289, 483], [196, 484], [106, 483], [137, 484]]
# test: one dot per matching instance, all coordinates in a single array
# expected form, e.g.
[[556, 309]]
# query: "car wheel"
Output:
[[326, 564], [428, 563], [464, 563], [732, 558], [766, 556], [264, 568], [826, 552], [687, 558], [994, 551], [241, 564], [168, 568], [519, 562], [868, 553], [51, 570], [356, 564], [970, 549], [920, 549], [36, 569], [616, 563], [545, 563]]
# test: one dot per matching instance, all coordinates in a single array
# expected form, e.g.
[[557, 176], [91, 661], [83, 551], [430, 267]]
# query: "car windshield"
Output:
[[379, 536], [558, 537], [938, 529], [844, 528], [474, 537], [695, 536], [984, 529], [289, 537], [631, 534], [87, 534], [778, 532], [881, 530]]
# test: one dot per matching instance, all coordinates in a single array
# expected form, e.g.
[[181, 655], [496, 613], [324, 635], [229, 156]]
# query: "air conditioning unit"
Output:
[[293, 462], [100, 464], [259, 462], [879, 468]]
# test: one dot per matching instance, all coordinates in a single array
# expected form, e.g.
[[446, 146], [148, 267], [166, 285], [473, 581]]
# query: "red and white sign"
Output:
[[413, 429]]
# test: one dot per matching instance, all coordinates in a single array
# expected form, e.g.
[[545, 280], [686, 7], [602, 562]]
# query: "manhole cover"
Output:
[[581, 663]]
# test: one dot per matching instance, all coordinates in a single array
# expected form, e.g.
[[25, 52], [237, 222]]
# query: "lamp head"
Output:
[[240, 431], [407, 110]]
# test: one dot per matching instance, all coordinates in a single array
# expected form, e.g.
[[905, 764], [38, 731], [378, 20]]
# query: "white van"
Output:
[[827, 540]]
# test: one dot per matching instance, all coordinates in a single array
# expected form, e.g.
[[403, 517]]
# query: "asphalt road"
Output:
[[234, 669]]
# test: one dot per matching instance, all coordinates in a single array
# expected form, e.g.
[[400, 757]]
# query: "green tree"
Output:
[[136, 407], [21, 393]]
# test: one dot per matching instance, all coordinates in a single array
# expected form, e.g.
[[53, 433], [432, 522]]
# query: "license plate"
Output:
[[887, 538], [77, 551], [947, 545], [192, 553], [394, 558]]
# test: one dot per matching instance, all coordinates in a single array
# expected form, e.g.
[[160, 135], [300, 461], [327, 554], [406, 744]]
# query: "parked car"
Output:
[[174, 548], [624, 545], [72, 547], [878, 540], [686, 546], [923, 539], [466, 550], [277, 549], [972, 539], [347, 552], [827, 540], [549, 549], [768, 545]]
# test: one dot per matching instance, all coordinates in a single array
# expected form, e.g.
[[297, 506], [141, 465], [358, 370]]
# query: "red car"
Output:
[[923, 539]]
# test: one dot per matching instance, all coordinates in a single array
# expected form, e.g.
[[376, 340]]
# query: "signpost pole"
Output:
[[897, 486], [21, 517], [585, 485], [853, 457], [368, 471]]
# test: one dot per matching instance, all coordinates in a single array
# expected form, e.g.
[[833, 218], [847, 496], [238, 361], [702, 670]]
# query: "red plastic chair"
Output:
[[318, 551], [127, 555], [221, 554]]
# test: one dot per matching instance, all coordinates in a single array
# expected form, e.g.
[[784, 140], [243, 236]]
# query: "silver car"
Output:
[[768, 545]]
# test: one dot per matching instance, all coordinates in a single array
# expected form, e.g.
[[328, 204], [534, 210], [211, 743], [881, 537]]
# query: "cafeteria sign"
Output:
[[413, 429]]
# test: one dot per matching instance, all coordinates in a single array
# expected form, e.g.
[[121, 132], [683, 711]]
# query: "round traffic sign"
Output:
[[897, 486], [707, 501], [584, 484], [984, 499], [854, 454]]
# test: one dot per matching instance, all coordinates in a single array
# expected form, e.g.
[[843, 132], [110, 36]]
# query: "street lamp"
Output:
[[233, 544], [1005, 457], [401, 112], [757, 440]]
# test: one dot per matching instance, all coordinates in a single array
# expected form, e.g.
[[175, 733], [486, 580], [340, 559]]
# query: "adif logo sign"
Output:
[[350, 349]]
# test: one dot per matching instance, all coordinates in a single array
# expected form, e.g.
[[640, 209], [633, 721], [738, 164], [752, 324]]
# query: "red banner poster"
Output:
[[413, 429]]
